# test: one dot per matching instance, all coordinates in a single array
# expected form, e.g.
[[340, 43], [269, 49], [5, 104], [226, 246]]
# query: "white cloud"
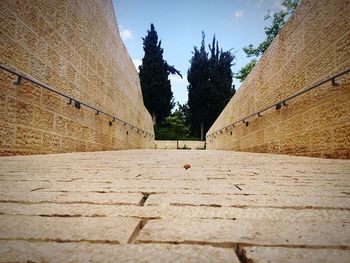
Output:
[[278, 4], [126, 34], [137, 63], [238, 13], [259, 3]]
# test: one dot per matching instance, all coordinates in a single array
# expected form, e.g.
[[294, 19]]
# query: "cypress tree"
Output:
[[154, 73], [210, 85], [198, 89]]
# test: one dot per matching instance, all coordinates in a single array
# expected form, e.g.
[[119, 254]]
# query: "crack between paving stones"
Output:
[[206, 205], [24, 180], [241, 254], [137, 230], [143, 199], [54, 215], [58, 240], [240, 189], [340, 247], [70, 180], [67, 215], [67, 203], [191, 242], [93, 215], [36, 189], [257, 207]]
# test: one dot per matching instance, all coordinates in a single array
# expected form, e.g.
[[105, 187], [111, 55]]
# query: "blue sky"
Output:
[[179, 23]]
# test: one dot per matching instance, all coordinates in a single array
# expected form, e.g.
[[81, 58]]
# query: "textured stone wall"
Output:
[[74, 47], [314, 44], [193, 145]]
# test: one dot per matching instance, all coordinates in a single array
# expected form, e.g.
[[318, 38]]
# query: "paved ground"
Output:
[[143, 206]]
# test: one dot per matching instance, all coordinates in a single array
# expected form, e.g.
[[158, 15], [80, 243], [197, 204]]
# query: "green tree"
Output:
[[175, 126], [198, 89], [220, 79], [210, 85], [244, 71], [154, 78], [278, 21]]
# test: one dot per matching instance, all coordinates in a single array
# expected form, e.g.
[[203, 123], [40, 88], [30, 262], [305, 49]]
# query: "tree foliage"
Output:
[[210, 85], [278, 21], [154, 73], [244, 71], [176, 126]]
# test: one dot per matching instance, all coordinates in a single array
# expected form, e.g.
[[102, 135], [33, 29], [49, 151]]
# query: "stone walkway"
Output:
[[143, 206]]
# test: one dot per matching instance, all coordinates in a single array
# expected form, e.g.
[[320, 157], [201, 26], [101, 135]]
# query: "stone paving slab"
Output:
[[84, 252], [247, 231], [272, 200], [70, 197], [92, 229], [289, 255], [182, 212], [105, 206]]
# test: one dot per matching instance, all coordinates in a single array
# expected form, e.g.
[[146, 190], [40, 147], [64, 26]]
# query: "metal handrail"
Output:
[[278, 105], [77, 103]]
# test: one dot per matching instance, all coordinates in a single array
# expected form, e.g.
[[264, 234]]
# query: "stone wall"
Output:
[[74, 47], [169, 145], [313, 45]]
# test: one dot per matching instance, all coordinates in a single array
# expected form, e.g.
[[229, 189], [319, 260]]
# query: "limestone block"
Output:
[[302, 255], [51, 142], [341, 51], [272, 200], [28, 138], [3, 115], [25, 36], [85, 133], [79, 252], [87, 210], [7, 135], [244, 231], [93, 229], [37, 67], [321, 140], [60, 124], [302, 142], [19, 112], [270, 133], [286, 146], [338, 113], [51, 101], [43, 119], [81, 146], [40, 51], [8, 22], [73, 129], [28, 92], [6, 87], [72, 197], [342, 138], [68, 144], [232, 213], [13, 53], [27, 11]]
